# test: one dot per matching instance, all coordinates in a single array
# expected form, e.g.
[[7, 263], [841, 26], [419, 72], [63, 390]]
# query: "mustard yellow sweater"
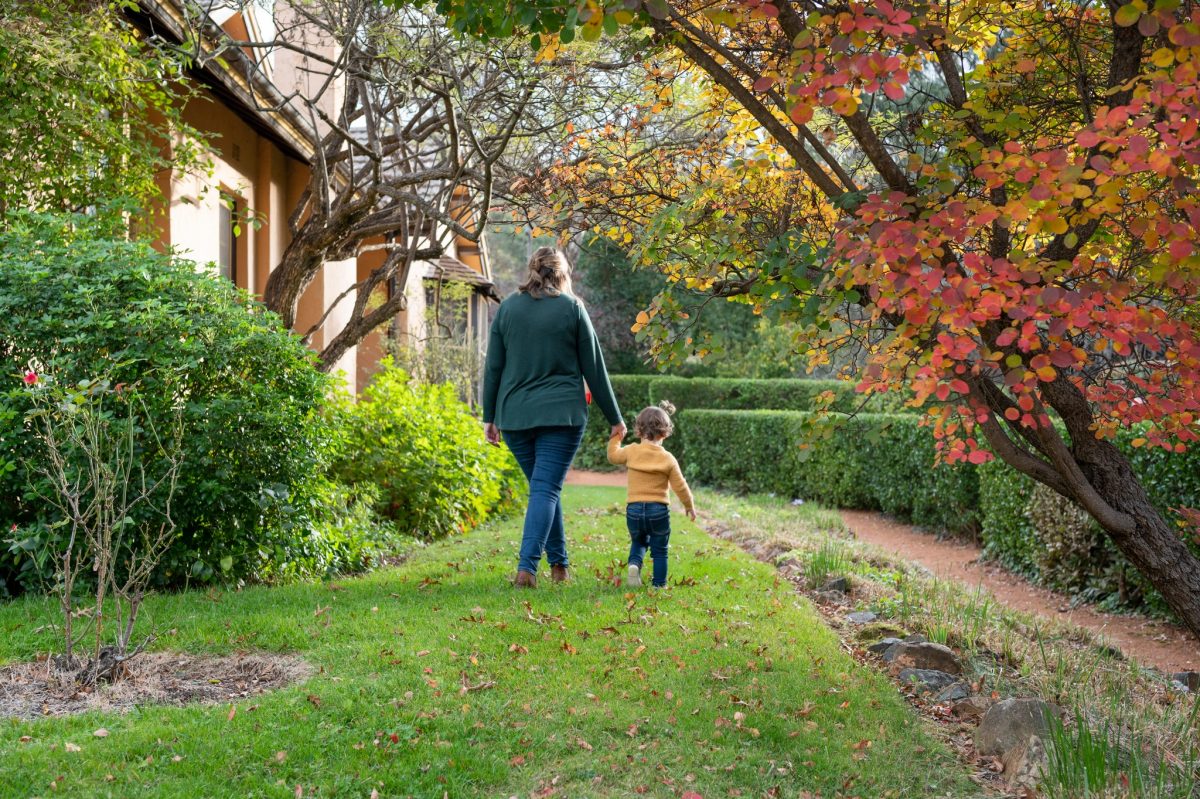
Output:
[[651, 470]]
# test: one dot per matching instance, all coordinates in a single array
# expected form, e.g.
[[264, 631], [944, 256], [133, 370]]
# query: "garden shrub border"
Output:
[[635, 392], [886, 462]]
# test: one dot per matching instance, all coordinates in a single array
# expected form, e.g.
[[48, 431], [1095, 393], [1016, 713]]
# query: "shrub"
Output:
[[423, 452], [633, 393], [886, 462], [871, 461], [78, 306], [1007, 534], [778, 395]]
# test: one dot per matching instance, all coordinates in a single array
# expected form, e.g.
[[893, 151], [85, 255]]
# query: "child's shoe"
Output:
[[634, 578]]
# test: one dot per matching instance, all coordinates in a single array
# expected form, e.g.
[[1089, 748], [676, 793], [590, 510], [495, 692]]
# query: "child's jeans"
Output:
[[649, 527]]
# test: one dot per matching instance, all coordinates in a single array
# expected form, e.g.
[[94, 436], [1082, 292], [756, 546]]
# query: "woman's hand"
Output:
[[691, 513], [618, 431], [492, 434]]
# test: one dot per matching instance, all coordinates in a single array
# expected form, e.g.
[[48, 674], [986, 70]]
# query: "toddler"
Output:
[[651, 470]]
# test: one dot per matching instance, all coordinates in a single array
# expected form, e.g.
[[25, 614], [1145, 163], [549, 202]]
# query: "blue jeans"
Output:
[[649, 527], [545, 455]]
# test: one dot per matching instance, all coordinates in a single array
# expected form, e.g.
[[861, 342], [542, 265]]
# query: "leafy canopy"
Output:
[[997, 202]]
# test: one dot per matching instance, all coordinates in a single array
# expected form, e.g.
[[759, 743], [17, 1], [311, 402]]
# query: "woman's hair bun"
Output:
[[668, 407]]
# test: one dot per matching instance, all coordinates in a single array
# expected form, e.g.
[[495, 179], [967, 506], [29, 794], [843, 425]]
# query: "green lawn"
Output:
[[725, 685]]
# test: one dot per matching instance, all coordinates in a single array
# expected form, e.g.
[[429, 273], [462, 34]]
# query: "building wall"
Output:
[[194, 198], [267, 184]]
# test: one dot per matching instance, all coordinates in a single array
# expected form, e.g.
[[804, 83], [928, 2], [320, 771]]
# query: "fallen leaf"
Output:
[[314, 700], [109, 778], [582, 744], [519, 760], [100, 733], [691, 795], [70, 747], [26, 739], [280, 756], [862, 744], [232, 713]]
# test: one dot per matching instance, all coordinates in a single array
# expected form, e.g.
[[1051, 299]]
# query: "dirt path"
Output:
[[575, 477], [1153, 643]]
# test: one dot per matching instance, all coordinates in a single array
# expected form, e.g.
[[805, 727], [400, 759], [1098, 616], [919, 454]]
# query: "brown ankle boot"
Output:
[[559, 574], [525, 580]]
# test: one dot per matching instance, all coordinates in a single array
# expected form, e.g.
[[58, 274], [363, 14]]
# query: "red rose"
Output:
[[31, 378]]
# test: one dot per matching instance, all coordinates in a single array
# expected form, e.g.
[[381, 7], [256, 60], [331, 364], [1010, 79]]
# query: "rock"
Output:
[[952, 693], [837, 584], [1009, 723], [830, 597], [1188, 679], [926, 680], [915, 638], [880, 629], [926, 655], [861, 617], [881, 647], [1026, 764], [971, 708], [791, 566]]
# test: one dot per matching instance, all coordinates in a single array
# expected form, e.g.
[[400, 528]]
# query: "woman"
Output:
[[542, 348]]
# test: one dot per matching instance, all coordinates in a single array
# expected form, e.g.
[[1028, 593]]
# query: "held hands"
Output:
[[618, 431], [492, 434]]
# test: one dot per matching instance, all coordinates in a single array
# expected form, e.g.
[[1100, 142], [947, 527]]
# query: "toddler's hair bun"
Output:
[[668, 407]]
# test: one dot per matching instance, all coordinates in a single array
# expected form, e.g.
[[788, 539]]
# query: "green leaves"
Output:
[[1129, 14], [84, 109], [77, 304]]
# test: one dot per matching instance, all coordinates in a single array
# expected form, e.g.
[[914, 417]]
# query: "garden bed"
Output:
[[34, 690]]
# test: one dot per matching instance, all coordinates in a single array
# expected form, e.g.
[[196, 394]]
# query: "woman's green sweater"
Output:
[[539, 353]]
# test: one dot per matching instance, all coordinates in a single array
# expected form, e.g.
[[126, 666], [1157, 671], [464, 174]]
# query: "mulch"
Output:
[[33, 690]]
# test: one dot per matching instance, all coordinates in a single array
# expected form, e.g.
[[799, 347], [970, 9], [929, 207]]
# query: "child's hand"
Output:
[[691, 513]]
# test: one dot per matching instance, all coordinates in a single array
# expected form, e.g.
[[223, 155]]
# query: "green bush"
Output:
[[870, 461], [1031, 530], [1071, 546], [761, 395], [423, 452], [1007, 533], [633, 393], [76, 306]]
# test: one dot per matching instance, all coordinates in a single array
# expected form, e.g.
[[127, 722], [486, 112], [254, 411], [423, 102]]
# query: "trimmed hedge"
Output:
[[760, 395], [886, 462], [632, 393], [635, 392], [871, 461]]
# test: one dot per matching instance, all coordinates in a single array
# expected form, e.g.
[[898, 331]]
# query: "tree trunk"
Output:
[[1149, 543], [288, 281]]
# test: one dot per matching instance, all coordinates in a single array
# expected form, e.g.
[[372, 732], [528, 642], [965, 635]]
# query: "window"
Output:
[[227, 260]]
